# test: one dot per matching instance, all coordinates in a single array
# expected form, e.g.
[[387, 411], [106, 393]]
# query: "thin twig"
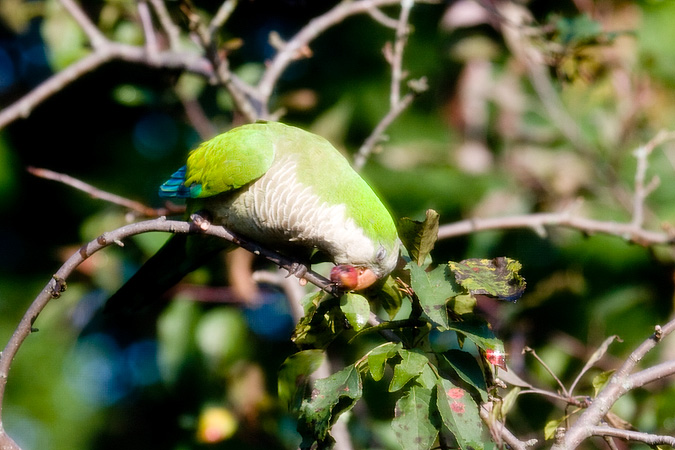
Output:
[[135, 206], [616, 387], [538, 222], [96, 38], [306, 35], [172, 31], [151, 45], [629, 435], [222, 15]]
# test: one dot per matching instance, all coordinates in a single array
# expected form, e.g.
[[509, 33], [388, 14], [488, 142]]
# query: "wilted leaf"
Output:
[[377, 358], [294, 375], [433, 289], [356, 309], [330, 397], [496, 277], [411, 365], [415, 419], [419, 237], [459, 414]]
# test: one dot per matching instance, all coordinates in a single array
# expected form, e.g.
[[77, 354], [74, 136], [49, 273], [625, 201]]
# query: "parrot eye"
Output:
[[381, 254]]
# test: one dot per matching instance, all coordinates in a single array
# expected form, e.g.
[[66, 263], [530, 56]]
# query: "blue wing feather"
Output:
[[175, 187]]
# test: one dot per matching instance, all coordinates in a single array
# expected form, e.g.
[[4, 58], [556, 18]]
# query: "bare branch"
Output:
[[170, 28], [222, 15], [628, 435], [151, 45], [135, 206], [538, 222], [313, 29], [57, 285], [96, 38], [617, 386]]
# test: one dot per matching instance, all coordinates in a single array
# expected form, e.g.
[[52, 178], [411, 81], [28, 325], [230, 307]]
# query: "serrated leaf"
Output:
[[377, 358], [330, 397], [434, 289], [415, 420], [460, 415], [419, 237], [600, 380], [498, 277], [294, 375], [411, 365], [356, 309], [462, 304]]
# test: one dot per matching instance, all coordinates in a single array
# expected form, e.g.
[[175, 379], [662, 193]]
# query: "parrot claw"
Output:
[[200, 220], [297, 269]]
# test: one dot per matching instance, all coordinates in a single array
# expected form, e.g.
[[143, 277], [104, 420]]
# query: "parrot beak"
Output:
[[352, 278]]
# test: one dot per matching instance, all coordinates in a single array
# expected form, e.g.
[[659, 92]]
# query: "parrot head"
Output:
[[356, 277]]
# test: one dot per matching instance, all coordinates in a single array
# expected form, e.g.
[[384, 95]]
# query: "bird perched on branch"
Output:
[[285, 188]]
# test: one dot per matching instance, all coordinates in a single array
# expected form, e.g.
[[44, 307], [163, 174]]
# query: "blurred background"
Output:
[[485, 140]]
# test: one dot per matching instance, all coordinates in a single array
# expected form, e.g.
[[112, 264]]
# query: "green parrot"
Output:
[[287, 189]]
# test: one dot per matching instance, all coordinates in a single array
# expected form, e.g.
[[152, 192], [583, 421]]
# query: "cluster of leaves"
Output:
[[438, 388]]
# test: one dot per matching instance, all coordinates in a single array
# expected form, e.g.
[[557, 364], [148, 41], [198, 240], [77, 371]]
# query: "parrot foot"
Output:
[[299, 270], [201, 220]]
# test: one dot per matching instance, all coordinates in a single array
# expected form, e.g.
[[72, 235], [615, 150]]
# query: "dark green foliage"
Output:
[[436, 389]]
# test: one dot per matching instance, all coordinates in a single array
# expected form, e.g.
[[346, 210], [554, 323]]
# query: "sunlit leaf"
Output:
[[498, 277], [415, 419], [433, 289], [509, 401], [377, 358], [356, 310], [411, 365], [419, 237], [459, 413]]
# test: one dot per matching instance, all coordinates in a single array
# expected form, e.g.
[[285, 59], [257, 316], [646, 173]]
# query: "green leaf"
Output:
[[496, 277], [356, 309], [330, 397], [600, 380], [509, 401], [460, 415], [389, 297], [411, 365], [415, 418], [467, 368], [419, 237], [478, 332], [551, 427], [294, 376], [433, 289], [377, 358], [322, 322]]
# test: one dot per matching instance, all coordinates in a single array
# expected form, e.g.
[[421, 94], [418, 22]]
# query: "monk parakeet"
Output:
[[287, 189]]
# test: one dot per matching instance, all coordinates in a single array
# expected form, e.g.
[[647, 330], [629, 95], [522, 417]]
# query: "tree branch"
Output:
[[57, 285], [617, 386]]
